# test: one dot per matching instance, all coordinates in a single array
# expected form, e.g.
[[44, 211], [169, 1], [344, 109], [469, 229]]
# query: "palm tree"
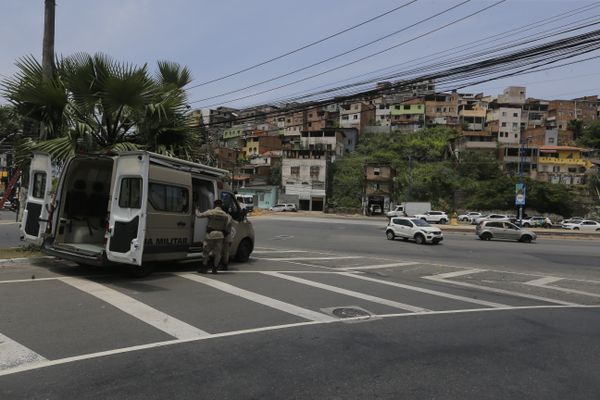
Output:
[[96, 103]]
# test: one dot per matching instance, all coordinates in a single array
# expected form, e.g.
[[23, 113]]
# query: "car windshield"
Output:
[[419, 222]]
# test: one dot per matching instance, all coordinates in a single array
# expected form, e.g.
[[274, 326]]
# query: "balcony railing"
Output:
[[565, 161]]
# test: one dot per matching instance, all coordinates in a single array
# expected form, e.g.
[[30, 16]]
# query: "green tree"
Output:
[[95, 102], [575, 126], [11, 122], [590, 136]]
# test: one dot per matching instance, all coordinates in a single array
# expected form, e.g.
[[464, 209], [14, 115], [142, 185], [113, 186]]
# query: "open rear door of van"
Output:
[[129, 199], [36, 212]]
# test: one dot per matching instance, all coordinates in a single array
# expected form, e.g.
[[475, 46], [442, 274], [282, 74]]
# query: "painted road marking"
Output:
[[347, 292], [279, 251], [501, 291], [457, 273], [543, 281], [381, 266], [259, 298], [307, 258], [68, 360], [427, 291], [13, 354], [137, 309]]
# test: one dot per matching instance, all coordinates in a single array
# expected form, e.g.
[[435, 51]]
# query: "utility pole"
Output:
[[48, 49], [409, 191]]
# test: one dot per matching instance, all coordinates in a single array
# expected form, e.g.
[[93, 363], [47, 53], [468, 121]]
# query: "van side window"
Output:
[[39, 185], [168, 198], [130, 194]]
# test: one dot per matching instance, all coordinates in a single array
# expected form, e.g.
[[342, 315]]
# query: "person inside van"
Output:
[[217, 232]]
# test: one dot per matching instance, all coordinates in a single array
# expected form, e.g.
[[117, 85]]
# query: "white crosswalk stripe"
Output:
[[137, 309], [13, 354], [259, 298], [347, 292]]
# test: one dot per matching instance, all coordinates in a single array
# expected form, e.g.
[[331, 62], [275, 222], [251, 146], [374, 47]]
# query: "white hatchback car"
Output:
[[284, 207], [587, 225], [413, 228]]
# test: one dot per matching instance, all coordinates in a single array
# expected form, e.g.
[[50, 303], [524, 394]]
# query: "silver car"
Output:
[[488, 230]]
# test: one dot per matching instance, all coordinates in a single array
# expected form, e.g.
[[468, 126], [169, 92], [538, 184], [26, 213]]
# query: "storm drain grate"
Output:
[[348, 312]]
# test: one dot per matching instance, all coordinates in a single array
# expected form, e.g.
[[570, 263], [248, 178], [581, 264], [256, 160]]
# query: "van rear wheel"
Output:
[[244, 250]]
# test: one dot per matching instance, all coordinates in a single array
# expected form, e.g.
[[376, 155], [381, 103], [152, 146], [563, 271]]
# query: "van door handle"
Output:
[[181, 223]]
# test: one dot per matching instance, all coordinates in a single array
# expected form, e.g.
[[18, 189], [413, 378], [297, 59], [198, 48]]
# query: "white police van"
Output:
[[130, 208]]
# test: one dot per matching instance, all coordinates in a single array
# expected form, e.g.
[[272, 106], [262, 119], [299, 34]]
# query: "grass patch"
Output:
[[20, 252]]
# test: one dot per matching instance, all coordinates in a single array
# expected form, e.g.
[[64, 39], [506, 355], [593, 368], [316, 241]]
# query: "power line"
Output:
[[303, 47], [360, 59], [335, 56], [419, 68], [489, 39], [544, 52]]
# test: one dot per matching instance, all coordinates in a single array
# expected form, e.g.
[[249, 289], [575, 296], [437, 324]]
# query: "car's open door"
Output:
[[128, 209], [37, 207]]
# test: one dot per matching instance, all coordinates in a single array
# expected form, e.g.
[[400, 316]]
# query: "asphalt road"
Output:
[[322, 310], [9, 230]]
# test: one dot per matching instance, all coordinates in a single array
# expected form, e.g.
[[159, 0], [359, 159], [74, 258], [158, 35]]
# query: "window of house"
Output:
[[295, 170], [503, 124], [407, 107], [376, 171], [382, 117], [168, 198], [314, 171], [572, 170], [345, 117], [556, 168], [551, 140], [503, 113], [396, 107], [310, 115], [376, 186], [515, 115], [515, 125], [355, 116]]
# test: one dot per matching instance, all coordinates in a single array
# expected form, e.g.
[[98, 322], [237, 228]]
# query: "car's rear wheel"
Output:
[[526, 239], [575, 229], [419, 239], [485, 236], [390, 235], [443, 221]]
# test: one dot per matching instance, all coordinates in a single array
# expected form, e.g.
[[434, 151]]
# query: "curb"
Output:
[[21, 260]]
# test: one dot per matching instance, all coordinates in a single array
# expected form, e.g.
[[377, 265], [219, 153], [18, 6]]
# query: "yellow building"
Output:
[[562, 164]]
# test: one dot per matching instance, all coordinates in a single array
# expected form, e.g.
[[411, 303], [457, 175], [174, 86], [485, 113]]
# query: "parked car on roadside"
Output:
[[586, 225], [492, 217], [537, 221], [413, 228], [468, 217], [572, 220], [397, 211], [375, 209], [438, 217], [488, 230], [284, 207]]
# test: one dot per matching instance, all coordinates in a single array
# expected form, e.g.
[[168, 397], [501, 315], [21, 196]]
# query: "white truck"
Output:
[[409, 209]]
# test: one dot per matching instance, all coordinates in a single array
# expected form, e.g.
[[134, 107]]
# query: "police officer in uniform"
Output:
[[217, 232]]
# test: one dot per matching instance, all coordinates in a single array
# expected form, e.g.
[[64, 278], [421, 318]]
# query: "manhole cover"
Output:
[[346, 312]]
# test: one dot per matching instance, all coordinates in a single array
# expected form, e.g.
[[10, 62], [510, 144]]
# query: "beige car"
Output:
[[131, 208], [488, 230]]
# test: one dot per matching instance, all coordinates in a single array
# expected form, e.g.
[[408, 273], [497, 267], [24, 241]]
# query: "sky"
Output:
[[216, 38]]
